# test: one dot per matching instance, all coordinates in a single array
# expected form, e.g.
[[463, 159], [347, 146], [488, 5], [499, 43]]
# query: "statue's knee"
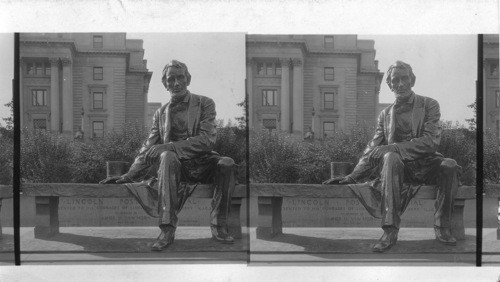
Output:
[[449, 166], [226, 162], [392, 157], [168, 156]]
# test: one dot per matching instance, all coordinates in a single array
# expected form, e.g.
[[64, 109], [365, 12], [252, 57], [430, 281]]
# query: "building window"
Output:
[[260, 69], [329, 42], [328, 129], [97, 41], [97, 100], [269, 123], [329, 74], [38, 68], [40, 124], [97, 129], [328, 100], [493, 69], [269, 97], [278, 68], [269, 69], [39, 97], [97, 73]]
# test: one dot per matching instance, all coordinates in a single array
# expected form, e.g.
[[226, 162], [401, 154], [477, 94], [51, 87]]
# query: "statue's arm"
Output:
[[140, 165], [363, 167], [204, 141], [430, 138]]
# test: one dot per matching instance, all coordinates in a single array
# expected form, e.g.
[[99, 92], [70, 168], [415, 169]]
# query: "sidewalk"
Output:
[[98, 245], [303, 246], [352, 246], [491, 247]]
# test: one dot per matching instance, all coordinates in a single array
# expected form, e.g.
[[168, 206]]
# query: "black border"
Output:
[[17, 153], [479, 152]]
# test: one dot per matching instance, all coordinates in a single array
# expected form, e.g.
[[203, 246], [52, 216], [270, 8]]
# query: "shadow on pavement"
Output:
[[326, 247]]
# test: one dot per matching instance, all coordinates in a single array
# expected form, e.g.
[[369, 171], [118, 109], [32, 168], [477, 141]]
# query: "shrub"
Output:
[[89, 162], [460, 145], [45, 157], [232, 142], [278, 157], [48, 157], [6, 160], [491, 159], [342, 147], [274, 157]]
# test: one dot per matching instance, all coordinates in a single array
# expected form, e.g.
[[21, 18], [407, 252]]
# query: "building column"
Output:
[[249, 82], [146, 106], [298, 98], [67, 98], [285, 95], [54, 96]]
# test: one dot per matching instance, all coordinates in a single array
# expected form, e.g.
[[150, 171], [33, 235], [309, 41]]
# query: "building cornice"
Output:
[[80, 53], [304, 47]]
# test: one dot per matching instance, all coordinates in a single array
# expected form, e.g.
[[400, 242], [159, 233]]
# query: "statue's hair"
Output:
[[175, 64], [400, 65]]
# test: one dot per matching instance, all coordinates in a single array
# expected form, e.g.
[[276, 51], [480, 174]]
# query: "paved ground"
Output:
[[95, 245], [491, 247], [303, 246], [7, 246], [352, 246]]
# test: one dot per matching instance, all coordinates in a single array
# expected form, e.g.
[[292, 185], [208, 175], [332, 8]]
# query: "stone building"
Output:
[[491, 98], [90, 82], [323, 83]]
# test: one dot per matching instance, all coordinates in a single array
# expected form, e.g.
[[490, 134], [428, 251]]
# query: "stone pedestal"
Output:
[[47, 216]]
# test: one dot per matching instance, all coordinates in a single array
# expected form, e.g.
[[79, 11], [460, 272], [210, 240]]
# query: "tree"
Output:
[[242, 119], [472, 121], [8, 129]]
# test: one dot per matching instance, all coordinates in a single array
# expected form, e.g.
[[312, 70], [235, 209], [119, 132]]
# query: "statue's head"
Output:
[[400, 79], [176, 77]]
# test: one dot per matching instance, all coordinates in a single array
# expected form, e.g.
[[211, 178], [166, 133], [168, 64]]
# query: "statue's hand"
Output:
[[155, 151], [116, 180], [340, 180]]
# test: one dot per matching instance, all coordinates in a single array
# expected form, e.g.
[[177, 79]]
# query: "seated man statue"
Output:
[[179, 148], [404, 150]]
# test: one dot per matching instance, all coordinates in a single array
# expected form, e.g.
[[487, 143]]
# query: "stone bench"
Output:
[[270, 199], [47, 201], [6, 192], [493, 191]]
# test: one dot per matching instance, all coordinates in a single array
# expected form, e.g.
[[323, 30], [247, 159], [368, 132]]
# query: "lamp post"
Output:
[[79, 134], [312, 124]]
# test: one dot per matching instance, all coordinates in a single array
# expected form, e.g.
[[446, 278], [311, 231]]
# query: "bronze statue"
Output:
[[404, 150], [179, 148]]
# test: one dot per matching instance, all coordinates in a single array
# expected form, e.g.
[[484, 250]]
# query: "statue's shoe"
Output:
[[443, 235], [219, 234], [165, 239], [388, 239]]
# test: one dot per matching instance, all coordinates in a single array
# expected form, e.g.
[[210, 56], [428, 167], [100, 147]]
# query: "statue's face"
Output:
[[401, 83], [176, 81]]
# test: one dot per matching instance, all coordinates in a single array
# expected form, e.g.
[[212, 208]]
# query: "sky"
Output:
[[6, 72], [216, 62], [445, 67]]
